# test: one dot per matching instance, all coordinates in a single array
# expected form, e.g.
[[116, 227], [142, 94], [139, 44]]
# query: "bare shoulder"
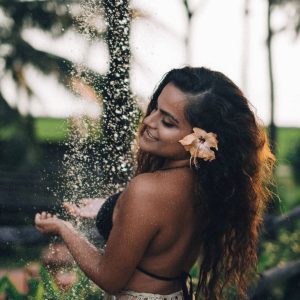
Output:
[[144, 183], [159, 186], [142, 190]]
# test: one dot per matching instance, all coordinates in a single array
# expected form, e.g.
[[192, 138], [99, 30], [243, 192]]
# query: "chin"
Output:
[[143, 145]]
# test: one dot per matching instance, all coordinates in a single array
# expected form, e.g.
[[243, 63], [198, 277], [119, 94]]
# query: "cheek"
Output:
[[169, 135], [169, 142]]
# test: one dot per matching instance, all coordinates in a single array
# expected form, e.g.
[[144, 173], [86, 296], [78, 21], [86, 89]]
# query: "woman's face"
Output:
[[166, 125]]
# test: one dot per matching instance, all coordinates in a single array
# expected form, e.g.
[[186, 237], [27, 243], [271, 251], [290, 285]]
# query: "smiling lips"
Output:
[[150, 135]]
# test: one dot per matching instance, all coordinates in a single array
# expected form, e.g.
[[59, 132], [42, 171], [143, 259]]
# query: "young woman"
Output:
[[199, 192]]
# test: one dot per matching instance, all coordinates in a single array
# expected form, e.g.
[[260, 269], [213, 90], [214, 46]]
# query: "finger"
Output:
[[69, 207], [37, 218], [85, 201], [49, 215], [43, 215], [68, 204], [73, 211], [76, 211]]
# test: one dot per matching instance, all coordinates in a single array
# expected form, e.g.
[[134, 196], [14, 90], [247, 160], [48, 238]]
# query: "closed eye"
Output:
[[167, 124]]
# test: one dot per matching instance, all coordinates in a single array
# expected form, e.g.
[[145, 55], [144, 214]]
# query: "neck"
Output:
[[170, 164]]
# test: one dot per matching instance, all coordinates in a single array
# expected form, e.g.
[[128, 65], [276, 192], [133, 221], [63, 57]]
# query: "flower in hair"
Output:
[[199, 144]]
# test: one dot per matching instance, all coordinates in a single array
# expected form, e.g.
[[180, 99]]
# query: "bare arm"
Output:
[[134, 228], [86, 255]]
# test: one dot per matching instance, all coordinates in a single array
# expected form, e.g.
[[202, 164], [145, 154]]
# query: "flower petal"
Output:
[[211, 140], [188, 139], [200, 132], [199, 144], [204, 152]]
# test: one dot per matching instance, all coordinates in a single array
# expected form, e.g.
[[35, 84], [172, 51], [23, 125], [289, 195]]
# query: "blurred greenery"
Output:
[[51, 130], [286, 248], [288, 137], [294, 158], [19, 255], [46, 288], [45, 130]]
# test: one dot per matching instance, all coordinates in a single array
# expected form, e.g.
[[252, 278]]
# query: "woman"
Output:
[[199, 192]]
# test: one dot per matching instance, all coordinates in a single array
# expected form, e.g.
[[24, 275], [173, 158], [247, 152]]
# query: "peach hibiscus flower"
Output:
[[199, 144]]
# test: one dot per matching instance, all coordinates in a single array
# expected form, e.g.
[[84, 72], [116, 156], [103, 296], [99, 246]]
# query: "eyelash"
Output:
[[169, 125]]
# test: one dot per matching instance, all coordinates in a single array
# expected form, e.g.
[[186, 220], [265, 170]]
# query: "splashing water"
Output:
[[95, 158], [99, 159]]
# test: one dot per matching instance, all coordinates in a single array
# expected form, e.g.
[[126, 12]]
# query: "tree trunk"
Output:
[[272, 129], [245, 53], [273, 277], [187, 40]]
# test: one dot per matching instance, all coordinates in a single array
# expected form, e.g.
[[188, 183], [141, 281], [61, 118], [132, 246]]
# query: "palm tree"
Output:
[[16, 54], [120, 112]]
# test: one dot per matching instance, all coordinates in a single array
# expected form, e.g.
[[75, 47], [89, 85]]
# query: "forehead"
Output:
[[173, 100]]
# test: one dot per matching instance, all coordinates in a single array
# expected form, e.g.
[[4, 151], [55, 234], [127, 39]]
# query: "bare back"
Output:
[[174, 247]]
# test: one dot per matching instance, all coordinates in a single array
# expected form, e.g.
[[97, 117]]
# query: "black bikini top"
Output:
[[104, 226], [104, 216]]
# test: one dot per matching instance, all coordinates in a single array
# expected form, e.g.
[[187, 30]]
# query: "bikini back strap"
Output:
[[187, 288], [158, 276]]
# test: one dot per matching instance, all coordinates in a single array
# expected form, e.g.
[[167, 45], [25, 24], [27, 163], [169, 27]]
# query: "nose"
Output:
[[151, 120]]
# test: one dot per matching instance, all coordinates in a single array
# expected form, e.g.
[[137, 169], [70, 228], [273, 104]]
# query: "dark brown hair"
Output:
[[232, 189]]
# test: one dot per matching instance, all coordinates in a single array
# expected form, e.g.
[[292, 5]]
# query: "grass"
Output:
[[51, 130]]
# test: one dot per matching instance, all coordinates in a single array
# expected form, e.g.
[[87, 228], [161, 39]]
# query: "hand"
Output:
[[88, 208], [48, 223]]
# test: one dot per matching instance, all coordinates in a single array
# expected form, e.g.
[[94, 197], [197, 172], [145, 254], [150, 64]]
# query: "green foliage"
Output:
[[294, 158], [289, 194], [10, 291], [46, 288], [285, 248], [287, 140]]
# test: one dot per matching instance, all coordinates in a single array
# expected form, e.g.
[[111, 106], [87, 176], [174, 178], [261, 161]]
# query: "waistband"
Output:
[[133, 295]]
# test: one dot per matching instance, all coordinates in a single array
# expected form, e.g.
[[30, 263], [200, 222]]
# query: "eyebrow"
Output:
[[165, 113]]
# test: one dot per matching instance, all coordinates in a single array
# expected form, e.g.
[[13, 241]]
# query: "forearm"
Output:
[[86, 255]]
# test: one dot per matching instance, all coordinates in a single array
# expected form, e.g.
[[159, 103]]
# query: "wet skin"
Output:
[[148, 220]]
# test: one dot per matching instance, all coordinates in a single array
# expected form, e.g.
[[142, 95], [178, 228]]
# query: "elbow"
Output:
[[111, 281], [111, 287]]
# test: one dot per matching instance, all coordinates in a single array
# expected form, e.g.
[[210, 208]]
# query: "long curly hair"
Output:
[[232, 190]]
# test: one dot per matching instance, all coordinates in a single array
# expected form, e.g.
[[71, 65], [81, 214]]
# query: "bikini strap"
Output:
[[183, 277], [158, 276]]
